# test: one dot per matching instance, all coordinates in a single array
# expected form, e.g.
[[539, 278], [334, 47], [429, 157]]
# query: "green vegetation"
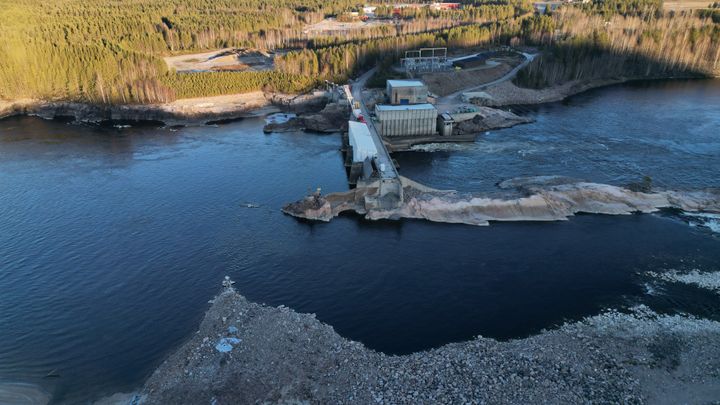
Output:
[[383, 74], [586, 46], [625, 8], [338, 63], [110, 51], [188, 85]]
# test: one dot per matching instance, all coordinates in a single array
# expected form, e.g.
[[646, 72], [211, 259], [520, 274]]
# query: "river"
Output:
[[114, 238]]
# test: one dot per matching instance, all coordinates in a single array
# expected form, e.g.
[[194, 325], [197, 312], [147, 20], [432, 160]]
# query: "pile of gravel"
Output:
[[250, 353]]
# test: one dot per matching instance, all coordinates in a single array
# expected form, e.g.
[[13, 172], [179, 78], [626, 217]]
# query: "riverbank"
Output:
[[198, 111], [508, 93], [244, 352], [546, 198], [194, 111]]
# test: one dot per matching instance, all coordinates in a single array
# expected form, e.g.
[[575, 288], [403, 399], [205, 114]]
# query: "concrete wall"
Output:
[[407, 122]]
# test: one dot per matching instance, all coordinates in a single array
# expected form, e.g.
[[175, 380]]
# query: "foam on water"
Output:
[[708, 280], [707, 220], [436, 147], [279, 118]]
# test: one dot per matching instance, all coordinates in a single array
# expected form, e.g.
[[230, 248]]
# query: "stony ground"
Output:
[[249, 353]]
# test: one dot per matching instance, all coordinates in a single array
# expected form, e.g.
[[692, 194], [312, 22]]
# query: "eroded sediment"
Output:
[[545, 199], [279, 356]]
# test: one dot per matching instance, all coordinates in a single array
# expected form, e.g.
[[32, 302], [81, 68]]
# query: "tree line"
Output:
[[109, 51], [581, 45]]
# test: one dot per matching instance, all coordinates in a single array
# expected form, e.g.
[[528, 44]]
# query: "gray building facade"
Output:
[[406, 120], [404, 92]]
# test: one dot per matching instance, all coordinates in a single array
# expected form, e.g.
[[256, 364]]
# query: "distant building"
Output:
[[406, 92], [445, 6], [369, 10], [406, 120]]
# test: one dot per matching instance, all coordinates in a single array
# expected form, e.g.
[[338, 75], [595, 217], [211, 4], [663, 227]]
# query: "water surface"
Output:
[[113, 240]]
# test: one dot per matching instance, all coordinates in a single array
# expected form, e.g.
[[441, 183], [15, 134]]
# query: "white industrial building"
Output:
[[406, 120], [363, 146]]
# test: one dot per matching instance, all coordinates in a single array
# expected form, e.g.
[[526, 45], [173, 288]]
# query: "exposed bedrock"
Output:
[[332, 118], [487, 118], [545, 199], [194, 111], [246, 353]]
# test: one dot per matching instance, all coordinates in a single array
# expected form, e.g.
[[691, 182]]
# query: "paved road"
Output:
[[450, 99], [383, 154]]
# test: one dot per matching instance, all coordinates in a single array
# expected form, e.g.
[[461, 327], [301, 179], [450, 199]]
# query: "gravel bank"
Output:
[[250, 353]]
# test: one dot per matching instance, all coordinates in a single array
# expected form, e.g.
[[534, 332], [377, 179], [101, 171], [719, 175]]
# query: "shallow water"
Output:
[[669, 131], [113, 239]]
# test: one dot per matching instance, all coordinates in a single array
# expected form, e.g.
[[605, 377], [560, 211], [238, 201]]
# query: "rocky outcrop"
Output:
[[314, 206], [487, 118], [332, 118], [546, 199], [179, 112], [247, 353]]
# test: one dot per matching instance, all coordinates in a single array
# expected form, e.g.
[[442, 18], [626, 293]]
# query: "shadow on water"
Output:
[[114, 239]]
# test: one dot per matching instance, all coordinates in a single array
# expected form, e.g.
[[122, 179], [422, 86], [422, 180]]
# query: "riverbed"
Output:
[[114, 237]]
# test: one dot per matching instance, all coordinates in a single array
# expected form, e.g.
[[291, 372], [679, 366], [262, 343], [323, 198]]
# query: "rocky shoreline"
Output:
[[196, 111], [244, 352], [549, 198], [508, 93], [332, 118]]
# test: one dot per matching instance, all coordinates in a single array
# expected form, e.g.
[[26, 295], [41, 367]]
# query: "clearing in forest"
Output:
[[474, 74], [228, 59]]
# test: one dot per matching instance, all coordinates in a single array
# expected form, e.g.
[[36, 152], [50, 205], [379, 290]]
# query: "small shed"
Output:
[[445, 124], [406, 92]]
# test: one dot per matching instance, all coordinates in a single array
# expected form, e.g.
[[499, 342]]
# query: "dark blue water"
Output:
[[113, 240]]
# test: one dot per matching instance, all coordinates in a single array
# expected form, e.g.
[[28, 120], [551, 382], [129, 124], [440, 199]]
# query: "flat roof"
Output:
[[404, 107], [405, 83], [359, 128]]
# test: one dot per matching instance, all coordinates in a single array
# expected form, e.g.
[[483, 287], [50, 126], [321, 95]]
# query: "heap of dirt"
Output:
[[248, 353]]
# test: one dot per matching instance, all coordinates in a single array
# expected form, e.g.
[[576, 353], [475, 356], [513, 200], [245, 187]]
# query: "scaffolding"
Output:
[[425, 60]]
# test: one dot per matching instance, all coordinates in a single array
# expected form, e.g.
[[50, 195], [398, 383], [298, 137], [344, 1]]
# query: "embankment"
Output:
[[180, 112], [249, 353], [507, 93], [544, 199]]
